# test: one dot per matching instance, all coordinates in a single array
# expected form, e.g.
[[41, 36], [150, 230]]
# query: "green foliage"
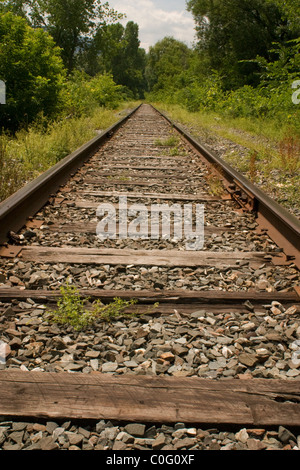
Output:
[[73, 311], [169, 142], [128, 64], [115, 49], [166, 63], [271, 156], [201, 93], [82, 93], [290, 11], [71, 23], [233, 33], [32, 69], [113, 310], [272, 98], [285, 65], [43, 144], [10, 170]]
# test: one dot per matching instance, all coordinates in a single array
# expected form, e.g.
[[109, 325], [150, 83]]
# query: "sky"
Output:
[[157, 19]]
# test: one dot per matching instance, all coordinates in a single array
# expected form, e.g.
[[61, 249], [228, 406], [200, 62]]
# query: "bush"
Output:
[[82, 94], [36, 149], [73, 310], [31, 67], [204, 94]]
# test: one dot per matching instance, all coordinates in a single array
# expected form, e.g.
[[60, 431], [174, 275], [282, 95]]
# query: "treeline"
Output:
[[245, 63], [66, 57]]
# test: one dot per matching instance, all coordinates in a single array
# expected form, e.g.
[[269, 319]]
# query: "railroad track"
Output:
[[211, 262]]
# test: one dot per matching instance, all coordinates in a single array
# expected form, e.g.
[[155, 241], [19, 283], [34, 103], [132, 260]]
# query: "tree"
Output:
[[233, 32], [167, 61], [116, 50], [290, 10], [71, 23], [31, 67], [128, 64]]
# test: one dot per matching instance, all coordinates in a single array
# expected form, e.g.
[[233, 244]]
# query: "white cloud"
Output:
[[156, 22]]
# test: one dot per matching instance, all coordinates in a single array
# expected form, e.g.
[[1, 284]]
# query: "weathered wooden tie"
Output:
[[96, 396]]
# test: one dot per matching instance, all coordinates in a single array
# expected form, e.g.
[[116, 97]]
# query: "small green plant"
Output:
[[214, 181], [215, 185], [112, 310], [73, 311], [171, 141], [124, 178]]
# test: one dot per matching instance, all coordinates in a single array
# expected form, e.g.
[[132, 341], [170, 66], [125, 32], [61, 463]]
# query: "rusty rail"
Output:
[[282, 226], [15, 210]]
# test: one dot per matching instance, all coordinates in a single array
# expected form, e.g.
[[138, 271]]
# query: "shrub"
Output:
[[31, 67], [72, 310], [82, 93]]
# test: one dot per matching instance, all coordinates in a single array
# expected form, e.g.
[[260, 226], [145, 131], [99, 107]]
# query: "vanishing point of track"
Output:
[[221, 346]]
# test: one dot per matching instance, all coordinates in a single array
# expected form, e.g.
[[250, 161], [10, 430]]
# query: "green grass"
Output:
[[31, 152], [271, 156], [171, 141], [173, 144]]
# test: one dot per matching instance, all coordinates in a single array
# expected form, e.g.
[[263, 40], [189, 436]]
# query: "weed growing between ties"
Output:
[[174, 146], [214, 181], [171, 141], [79, 313]]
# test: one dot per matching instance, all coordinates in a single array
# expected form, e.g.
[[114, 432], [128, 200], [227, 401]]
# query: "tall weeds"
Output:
[[31, 152], [10, 169], [289, 152]]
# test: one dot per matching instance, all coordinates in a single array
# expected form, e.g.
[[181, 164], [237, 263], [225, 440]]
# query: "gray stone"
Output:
[[159, 442], [248, 359], [110, 433], [187, 443], [242, 436], [57, 432], [94, 364], [84, 432], [50, 426], [109, 367], [74, 438], [125, 437], [255, 444], [119, 445], [135, 429], [19, 426], [284, 435], [17, 436], [48, 443]]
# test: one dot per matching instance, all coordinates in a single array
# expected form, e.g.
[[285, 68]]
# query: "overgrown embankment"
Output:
[[31, 152], [264, 150]]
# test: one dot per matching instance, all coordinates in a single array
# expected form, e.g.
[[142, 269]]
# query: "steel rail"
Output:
[[257, 403], [17, 208], [282, 226]]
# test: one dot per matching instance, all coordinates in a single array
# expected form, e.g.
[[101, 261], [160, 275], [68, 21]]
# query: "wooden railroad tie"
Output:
[[95, 396]]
